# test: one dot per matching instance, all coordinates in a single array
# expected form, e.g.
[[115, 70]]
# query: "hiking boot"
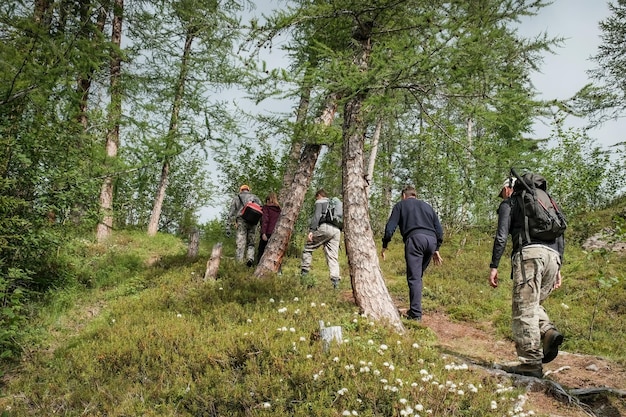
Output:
[[552, 339], [335, 282], [525, 369], [410, 316], [249, 263]]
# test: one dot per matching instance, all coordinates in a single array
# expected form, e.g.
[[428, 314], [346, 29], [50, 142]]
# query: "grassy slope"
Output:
[[152, 339]]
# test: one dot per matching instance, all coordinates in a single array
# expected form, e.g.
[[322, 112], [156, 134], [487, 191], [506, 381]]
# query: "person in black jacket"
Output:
[[422, 235], [535, 271]]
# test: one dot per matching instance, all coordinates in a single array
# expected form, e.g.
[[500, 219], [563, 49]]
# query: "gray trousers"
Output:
[[329, 237], [530, 289]]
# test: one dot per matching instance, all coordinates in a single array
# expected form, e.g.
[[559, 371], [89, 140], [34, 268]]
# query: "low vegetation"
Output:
[[145, 335]]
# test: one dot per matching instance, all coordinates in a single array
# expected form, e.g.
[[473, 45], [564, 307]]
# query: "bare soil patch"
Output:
[[572, 371]]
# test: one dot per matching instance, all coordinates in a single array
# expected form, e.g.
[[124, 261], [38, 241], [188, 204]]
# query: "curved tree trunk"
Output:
[[279, 241], [368, 285]]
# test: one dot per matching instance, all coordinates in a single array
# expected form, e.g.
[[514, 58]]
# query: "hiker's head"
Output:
[[409, 191], [507, 187], [321, 193], [244, 188], [271, 199]]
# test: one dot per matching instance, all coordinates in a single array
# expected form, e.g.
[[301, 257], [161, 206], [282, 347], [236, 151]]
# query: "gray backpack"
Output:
[[334, 213]]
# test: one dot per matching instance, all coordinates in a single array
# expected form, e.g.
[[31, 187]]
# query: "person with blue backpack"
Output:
[[536, 226], [324, 231]]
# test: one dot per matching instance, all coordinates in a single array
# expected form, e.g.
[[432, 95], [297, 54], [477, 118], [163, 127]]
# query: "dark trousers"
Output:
[[418, 251], [262, 245]]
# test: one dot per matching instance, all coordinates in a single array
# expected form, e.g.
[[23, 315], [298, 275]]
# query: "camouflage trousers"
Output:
[[245, 241], [531, 286]]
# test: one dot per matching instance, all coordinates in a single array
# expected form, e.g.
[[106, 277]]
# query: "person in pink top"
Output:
[[271, 213]]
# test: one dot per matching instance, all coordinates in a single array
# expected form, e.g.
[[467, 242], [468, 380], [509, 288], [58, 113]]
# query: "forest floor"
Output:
[[479, 346]]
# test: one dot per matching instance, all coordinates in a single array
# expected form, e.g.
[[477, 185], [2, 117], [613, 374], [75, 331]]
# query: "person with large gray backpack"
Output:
[[324, 231], [537, 225]]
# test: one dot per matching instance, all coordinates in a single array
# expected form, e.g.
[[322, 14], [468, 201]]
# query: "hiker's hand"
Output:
[[382, 253], [437, 258], [264, 236], [309, 237], [559, 281], [493, 277]]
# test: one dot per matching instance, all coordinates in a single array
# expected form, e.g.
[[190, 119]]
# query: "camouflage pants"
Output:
[[245, 241], [328, 236], [531, 287]]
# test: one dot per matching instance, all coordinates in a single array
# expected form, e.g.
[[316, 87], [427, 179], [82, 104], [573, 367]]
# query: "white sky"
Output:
[[562, 73]]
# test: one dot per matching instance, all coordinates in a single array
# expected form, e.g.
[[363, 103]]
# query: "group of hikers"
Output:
[[526, 212]]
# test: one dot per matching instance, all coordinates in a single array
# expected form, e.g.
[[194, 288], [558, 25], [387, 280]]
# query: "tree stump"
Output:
[[328, 334], [194, 243], [214, 261]]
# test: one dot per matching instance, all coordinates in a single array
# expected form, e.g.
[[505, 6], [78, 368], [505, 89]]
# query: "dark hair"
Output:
[[409, 191], [321, 193]]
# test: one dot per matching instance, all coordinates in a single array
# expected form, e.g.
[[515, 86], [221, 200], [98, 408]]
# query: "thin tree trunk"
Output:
[[296, 144], [155, 215], [105, 227], [279, 241], [373, 153], [84, 80], [368, 285]]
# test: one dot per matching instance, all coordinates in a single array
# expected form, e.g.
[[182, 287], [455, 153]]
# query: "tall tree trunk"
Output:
[[296, 144], [105, 227], [368, 285], [279, 241], [373, 152], [83, 84], [153, 225]]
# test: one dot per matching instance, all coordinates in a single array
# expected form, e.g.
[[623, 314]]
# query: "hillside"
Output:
[[157, 340]]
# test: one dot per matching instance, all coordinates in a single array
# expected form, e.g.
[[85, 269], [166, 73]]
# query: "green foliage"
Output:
[[152, 338]]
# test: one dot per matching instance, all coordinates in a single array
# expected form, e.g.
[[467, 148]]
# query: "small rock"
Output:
[[593, 367]]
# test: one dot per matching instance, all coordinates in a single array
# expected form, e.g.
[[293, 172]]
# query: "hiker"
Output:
[[245, 232], [324, 234], [535, 271], [271, 213], [422, 235]]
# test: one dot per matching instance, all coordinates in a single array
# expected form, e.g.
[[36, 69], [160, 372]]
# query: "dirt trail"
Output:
[[571, 371]]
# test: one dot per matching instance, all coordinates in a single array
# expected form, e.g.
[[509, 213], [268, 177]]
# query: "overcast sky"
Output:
[[565, 72], [562, 73]]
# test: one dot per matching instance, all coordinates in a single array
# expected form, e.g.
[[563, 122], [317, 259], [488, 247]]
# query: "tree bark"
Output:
[[155, 215], [279, 241], [213, 263], [373, 152], [105, 227], [368, 285], [296, 144]]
